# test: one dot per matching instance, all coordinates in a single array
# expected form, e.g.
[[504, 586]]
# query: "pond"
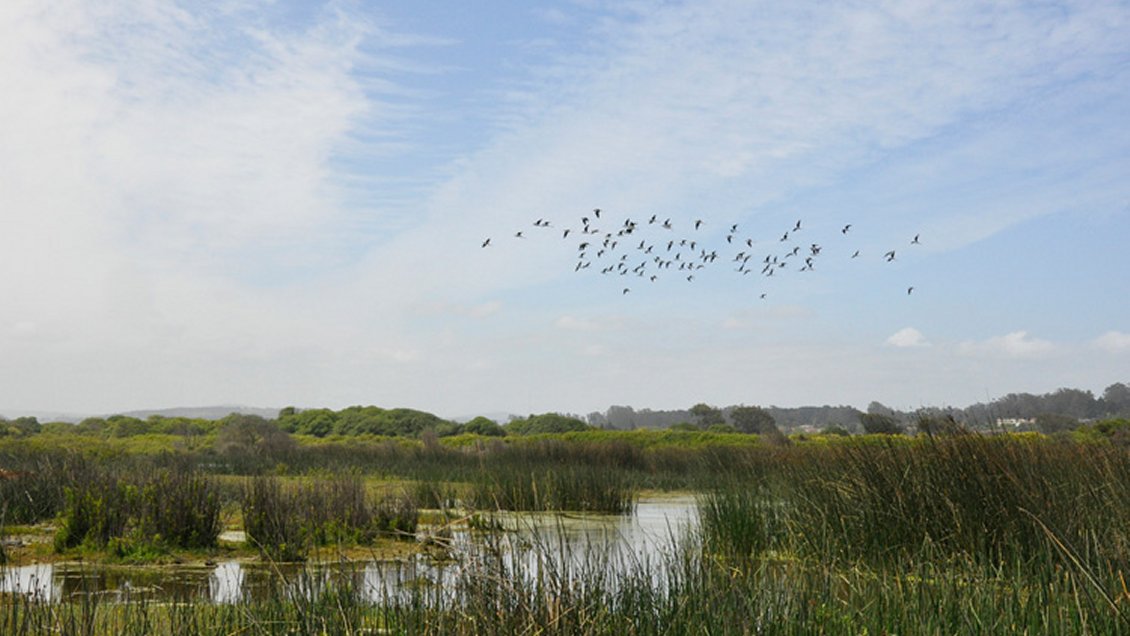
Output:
[[646, 535]]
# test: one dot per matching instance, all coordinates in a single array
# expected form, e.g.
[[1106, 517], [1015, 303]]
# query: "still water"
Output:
[[647, 535]]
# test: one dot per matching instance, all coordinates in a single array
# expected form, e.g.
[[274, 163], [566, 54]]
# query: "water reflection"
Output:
[[643, 537]]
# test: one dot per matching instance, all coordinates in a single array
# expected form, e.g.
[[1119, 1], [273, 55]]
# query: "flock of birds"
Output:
[[651, 249]]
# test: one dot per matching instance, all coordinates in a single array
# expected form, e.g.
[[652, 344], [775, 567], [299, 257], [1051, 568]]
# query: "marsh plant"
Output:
[[284, 521], [173, 507]]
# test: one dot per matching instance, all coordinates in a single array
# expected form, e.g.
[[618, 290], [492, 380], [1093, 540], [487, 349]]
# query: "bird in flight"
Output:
[[689, 255]]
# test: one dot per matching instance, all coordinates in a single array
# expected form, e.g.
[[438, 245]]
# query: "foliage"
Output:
[[169, 507], [1049, 423], [545, 423], [284, 522], [272, 520], [930, 423], [251, 442], [363, 420], [707, 415], [878, 423], [753, 419], [483, 426]]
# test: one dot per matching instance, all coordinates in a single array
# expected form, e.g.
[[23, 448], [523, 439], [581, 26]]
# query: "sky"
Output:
[[284, 203]]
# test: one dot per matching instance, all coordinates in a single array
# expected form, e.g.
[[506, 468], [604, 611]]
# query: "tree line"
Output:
[[1062, 409]]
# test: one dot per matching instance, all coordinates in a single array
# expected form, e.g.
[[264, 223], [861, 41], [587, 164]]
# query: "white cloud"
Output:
[[908, 337], [1017, 344], [1113, 341], [179, 196]]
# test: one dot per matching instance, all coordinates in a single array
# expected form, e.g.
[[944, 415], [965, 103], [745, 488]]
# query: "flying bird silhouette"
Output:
[[690, 255]]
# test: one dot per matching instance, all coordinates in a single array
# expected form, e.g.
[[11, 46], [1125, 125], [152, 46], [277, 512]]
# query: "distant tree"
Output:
[[596, 419], [707, 415], [621, 417], [1116, 400], [878, 423], [935, 423], [21, 426], [721, 428], [483, 426], [91, 426], [1074, 402], [835, 429], [1050, 423], [253, 436], [878, 408], [753, 419], [316, 422], [126, 426], [545, 423]]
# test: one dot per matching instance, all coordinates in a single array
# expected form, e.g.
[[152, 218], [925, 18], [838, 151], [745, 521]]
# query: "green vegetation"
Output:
[[285, 522], [942, 532], [139, 514]]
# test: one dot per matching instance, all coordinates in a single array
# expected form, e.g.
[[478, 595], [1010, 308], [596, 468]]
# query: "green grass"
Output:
[[875, 534]]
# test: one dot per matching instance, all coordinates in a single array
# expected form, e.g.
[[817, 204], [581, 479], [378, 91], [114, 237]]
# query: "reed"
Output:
[[285, 521], [532, 488]]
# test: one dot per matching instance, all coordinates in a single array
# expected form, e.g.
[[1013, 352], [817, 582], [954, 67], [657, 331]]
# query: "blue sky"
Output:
[[275, 203]]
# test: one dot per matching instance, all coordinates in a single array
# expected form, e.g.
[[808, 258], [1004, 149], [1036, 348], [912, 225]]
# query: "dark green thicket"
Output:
[[272, 520], [95, 511], [518, 488], [169, 507], [35, 481], [986, 498], [180, 508], [284, 522]]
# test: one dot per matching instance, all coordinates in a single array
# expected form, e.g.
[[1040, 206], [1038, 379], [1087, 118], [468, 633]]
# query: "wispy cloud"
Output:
[[1018, 344], [1113, 341], [907, 337], [228, 204]]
